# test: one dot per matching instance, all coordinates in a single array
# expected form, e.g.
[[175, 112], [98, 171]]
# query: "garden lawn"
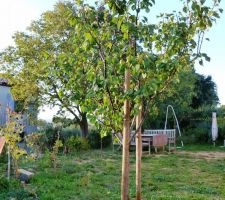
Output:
[[184, 175]]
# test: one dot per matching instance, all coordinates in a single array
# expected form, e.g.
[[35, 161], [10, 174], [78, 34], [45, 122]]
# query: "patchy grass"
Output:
[[203, 147], [87, 176]]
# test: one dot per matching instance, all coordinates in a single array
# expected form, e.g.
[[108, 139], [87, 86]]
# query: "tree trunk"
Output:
[[126, 142], [84, 125], [9, 163], [138, 155]]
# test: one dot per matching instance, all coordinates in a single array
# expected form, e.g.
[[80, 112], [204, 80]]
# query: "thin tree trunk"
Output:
[[138, 155], [126, 141], [113, 141], [9, 163], [101, 148], [84, 125]]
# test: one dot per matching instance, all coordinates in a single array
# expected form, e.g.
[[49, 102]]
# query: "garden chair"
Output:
[[159, 140], [146, 141]]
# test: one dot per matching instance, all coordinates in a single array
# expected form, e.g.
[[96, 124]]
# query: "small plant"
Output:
[[58, 144], [12, 131], [4, 184], [37, 142]]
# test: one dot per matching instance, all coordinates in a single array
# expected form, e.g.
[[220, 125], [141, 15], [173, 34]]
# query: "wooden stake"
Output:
[[138, 156], [126, 142]]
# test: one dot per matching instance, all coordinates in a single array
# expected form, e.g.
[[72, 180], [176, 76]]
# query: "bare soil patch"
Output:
[[204, 154]]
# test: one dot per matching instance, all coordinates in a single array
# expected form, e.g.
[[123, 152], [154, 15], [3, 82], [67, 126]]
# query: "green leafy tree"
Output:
[[179, 94], [191, 92], [36, 64], [206, 92], [135, 61]]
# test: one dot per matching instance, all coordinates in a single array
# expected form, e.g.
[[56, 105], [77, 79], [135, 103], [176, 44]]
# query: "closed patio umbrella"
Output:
[[214, 128]]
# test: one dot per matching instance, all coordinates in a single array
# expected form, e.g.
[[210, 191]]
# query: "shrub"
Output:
[[45, 160], [37, 142], [69, 131], [221, 129], [202, 135], [75, 143], [21, 194], [199, 135], [54, 154], [4, 156], [51, 134], [4, 184], [94, 140], [11, 132]]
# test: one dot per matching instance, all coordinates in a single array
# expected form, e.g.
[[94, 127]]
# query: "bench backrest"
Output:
[[168, 132]]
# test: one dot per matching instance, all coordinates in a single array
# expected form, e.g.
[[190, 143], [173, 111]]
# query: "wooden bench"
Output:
[[170, 133], [167, 136]]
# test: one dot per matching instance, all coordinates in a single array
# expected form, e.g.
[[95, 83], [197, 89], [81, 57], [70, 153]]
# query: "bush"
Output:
[[45, 160], [65, 133], [4, 156], [21, 194], [221, 129], [75, 143], [52, 135], [94, 140], [70, 131], [4, 184], [37, 142], [13, 190], [70, 137], [198, 135], [54, 154]]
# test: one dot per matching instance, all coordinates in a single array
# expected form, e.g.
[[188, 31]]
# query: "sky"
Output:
[[16, 15]]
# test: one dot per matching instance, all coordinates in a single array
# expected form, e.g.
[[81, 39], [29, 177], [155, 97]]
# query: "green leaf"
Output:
[[202, 1], [88, 36], [207, 58], [215, 14], [125, 28], [109, 45], [120, 21]]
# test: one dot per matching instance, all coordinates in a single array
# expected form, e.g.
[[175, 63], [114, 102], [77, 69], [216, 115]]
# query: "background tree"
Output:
[[179, 94], [206, 92], [35, 65], [187, 98]]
